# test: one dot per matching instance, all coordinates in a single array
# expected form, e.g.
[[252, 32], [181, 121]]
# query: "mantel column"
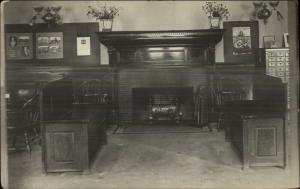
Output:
[[112, 55], [211, 54]]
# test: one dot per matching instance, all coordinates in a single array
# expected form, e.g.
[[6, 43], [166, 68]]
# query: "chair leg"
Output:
[[219, 120], [27, 142], [14, 140]]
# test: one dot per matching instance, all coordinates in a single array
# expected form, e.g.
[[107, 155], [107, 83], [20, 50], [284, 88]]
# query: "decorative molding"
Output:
[[177, 37]]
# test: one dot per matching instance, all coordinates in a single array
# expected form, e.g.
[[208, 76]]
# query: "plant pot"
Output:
[[215, 22], [106, 25]]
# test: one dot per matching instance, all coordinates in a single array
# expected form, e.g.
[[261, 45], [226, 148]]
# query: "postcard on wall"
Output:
[[241, 37], [49, 45], [18, 46], [83, 46], [241, 41]]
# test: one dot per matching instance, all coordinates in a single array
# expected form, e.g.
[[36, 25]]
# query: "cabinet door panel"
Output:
[[63, 146], [266, 142], [66, 147]]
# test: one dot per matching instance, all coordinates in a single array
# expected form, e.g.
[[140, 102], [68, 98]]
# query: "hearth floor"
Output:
[[167, 160], [160, 128]]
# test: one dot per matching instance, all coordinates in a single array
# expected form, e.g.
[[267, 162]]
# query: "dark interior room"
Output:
[[149, 94]]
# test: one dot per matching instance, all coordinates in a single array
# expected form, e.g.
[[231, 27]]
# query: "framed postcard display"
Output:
[[18, 46], [83, 46], [269, 41], [49, 45], [241, 42]]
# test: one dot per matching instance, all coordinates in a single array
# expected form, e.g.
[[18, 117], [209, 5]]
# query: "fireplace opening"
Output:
[[173, 105]]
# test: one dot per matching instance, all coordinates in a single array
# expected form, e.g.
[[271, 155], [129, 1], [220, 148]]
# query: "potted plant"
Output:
[[105, 15], [215, 12]]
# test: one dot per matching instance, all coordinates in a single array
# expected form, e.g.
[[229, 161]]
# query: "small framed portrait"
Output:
[[269, 41], [241, 42], [18, 46], [286, 40], [84, 46]]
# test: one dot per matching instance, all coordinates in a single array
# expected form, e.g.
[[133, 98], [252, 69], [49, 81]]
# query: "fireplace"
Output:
[[162, 105], [159, 74]]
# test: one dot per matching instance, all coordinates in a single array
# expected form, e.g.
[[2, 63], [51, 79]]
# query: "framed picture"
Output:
[[84, 46], [269, 41], [286, 40], [18, 46], [241, 42], [49, 45]]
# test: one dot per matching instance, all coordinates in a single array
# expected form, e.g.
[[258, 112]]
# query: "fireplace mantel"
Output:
[[203, 38], [154, 61], [171, 47]]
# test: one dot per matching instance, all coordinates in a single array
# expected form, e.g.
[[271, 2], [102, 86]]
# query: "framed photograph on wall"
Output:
[[269, 41], [241, 42], [18, 46], [84, 46], [285, 40], [49, 45]]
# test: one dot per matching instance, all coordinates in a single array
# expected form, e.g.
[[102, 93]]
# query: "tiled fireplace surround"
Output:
[[130, 79]]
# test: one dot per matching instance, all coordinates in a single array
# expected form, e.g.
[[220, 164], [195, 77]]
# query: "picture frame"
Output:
[[241, 42], [49, 45], [83, 45], [286, 40], [269, 41], [19, 46]]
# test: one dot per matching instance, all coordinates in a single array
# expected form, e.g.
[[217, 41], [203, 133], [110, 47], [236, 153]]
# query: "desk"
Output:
[[71, 144], [259, 139]]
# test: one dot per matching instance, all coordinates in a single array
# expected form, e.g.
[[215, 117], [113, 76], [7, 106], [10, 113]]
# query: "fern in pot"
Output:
[[215, 12], [105, 14]]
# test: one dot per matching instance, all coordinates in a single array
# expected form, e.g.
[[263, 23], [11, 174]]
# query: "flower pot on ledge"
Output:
[[215, 22], [106, 24]]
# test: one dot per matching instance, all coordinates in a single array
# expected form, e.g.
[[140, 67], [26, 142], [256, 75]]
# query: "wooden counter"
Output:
[[72, 131], [70, 145], [259, 140]]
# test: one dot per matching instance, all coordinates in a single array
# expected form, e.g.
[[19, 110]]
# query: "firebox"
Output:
[[162, 105]]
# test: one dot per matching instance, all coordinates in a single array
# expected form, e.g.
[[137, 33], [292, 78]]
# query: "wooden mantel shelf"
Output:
[[204, 38]]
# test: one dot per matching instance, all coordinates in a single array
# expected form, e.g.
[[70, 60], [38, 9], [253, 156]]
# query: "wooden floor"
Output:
[[172, 160]]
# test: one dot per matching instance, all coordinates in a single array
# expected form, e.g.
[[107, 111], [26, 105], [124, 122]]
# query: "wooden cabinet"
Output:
[[276, 63], [70, 145], [260, 140], [66, 146], [72, 131]]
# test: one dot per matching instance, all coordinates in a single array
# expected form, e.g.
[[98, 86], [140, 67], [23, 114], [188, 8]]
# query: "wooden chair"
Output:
[[90, 92], [24, 124]]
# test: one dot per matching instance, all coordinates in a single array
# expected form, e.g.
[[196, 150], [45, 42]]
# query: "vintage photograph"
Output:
[[19, 46], [49, 45], [149, 94], [241, 38], [269, 41], [83, 46]]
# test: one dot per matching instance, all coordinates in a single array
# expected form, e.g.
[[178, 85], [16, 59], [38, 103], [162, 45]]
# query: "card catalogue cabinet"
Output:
[[276, 63]]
